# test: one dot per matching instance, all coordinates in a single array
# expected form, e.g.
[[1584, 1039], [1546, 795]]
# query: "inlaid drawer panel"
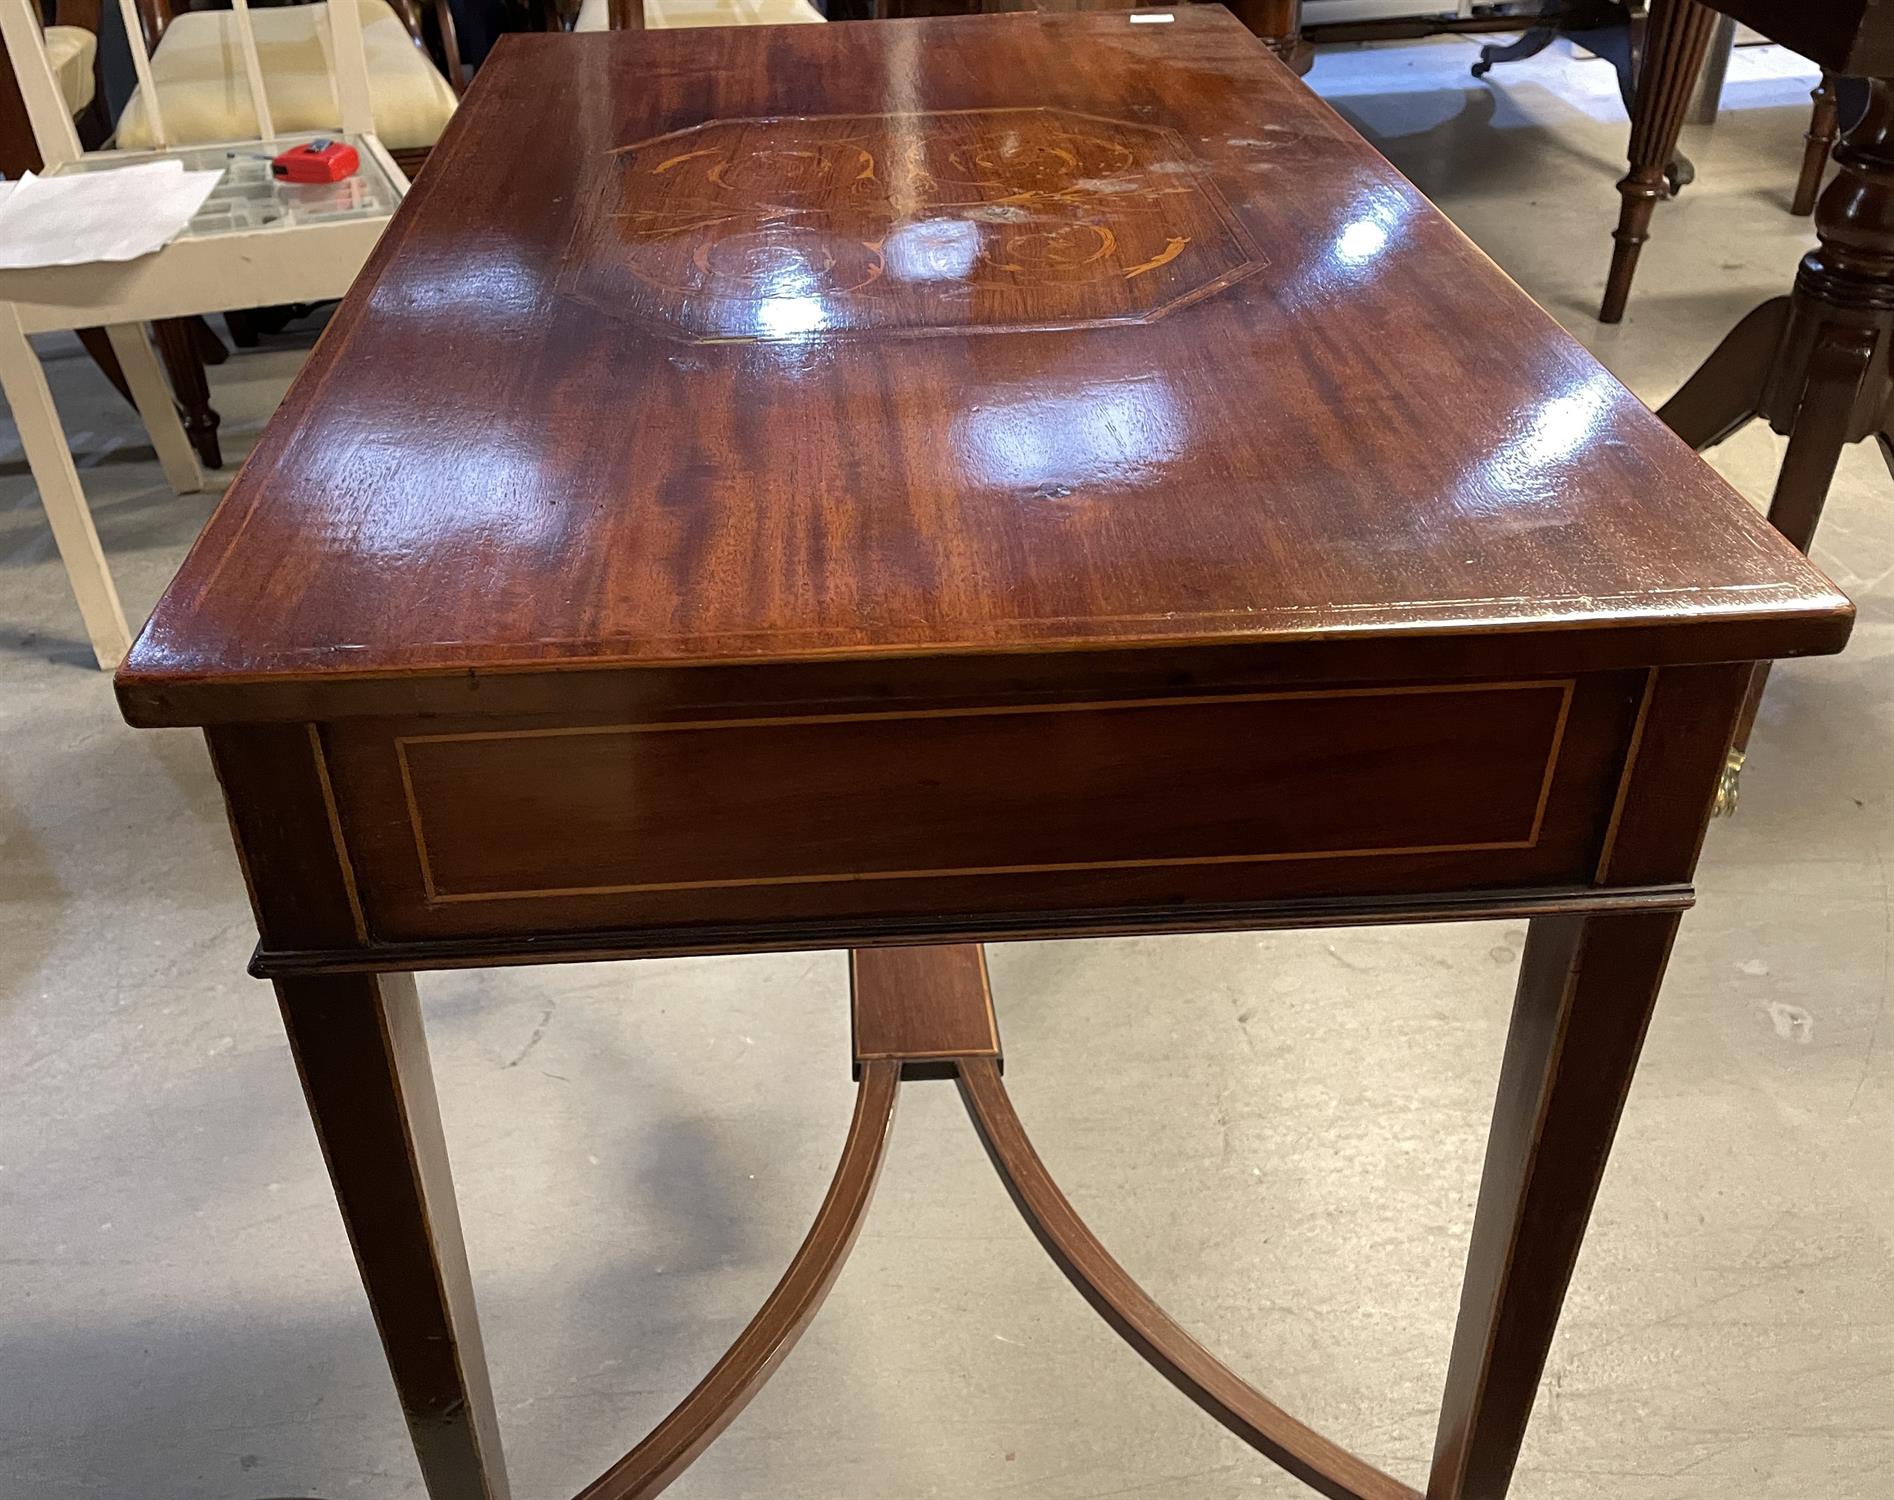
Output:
[[831, 814]]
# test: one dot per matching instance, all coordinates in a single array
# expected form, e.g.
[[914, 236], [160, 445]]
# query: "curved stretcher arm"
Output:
[[698, 1419], [1141, 1323]]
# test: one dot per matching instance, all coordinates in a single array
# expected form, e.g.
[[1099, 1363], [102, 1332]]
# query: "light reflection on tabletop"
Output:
[[931, 222], [1102, 438]]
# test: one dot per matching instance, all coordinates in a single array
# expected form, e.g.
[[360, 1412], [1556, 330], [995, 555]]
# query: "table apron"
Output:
[[425, 843]]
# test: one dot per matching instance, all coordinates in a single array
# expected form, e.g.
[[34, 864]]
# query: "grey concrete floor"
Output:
[[1281, 1133]]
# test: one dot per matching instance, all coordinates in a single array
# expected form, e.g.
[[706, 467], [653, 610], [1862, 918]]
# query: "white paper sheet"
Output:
[[119, 213]]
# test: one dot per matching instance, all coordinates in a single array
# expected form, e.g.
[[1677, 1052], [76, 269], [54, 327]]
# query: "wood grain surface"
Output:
[[922, 1008], [458, 828], [1322, 415]]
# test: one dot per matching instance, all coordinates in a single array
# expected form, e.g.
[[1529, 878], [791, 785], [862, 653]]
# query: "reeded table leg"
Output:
[[1817, 142], [1586, 988], [363, 1061], [1675, 41]]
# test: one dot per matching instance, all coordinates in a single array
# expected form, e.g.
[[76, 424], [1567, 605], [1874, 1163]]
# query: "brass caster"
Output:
[[1726, 789]]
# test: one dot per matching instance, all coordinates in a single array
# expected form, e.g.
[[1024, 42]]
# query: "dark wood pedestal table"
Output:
[[912, 485], [1818, 364]]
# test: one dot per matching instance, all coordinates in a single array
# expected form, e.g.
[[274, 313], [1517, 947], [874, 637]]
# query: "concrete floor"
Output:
[[1281, 1134]]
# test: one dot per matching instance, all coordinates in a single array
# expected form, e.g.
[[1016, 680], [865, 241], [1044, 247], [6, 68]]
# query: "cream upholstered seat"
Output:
[[198, 68], [658, 14], [70, 49]]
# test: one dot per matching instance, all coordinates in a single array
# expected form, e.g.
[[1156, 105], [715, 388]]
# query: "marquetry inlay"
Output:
[[769, 229]]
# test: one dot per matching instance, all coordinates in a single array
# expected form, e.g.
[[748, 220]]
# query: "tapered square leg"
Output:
[[1586, 989], [362, 1057]]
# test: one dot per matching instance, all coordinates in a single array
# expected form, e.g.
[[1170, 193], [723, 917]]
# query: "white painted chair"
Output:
[[198, 65], [254, 244]]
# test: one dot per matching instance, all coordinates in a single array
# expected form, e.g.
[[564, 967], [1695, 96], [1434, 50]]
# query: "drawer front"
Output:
[[1234, 797]]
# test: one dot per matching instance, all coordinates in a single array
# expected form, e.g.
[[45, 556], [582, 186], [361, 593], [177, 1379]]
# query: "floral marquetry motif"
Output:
[[970, 220]]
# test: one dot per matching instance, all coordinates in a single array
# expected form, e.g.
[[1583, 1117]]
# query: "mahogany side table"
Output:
[[911, 485]]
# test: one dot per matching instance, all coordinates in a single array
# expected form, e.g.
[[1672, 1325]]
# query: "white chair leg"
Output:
[[51, 462], [160, 412]]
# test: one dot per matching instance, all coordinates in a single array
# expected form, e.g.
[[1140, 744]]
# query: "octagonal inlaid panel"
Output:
[[960, 221]]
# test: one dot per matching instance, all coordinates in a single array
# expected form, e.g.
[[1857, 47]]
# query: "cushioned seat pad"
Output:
[[70, 49], [198, 68]]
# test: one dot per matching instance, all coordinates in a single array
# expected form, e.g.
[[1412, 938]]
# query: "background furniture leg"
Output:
[[211, 350], [177, 344], [1530, 44], [362, 1057], [242, 327], [58, 480], [1603, 28], [1820, 431], [1840, 365], [153, 399], [100, 348], [1278, 24], [1824, 126], [1707, 102], [1829, 382], [1832, 383], [1586, 988], [1675, 40], [1623, 47], [1726, 392]]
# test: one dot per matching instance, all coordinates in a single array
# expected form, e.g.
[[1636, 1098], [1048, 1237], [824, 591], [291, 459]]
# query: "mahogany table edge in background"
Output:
[[1814, 364]]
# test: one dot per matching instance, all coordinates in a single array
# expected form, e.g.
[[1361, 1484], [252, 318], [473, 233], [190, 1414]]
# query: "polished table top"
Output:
[[957, 338]]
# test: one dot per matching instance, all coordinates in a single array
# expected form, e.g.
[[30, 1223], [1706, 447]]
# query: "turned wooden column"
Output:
[[1831, 383], [1675, 41], [1818, 142], [1816, 364]]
